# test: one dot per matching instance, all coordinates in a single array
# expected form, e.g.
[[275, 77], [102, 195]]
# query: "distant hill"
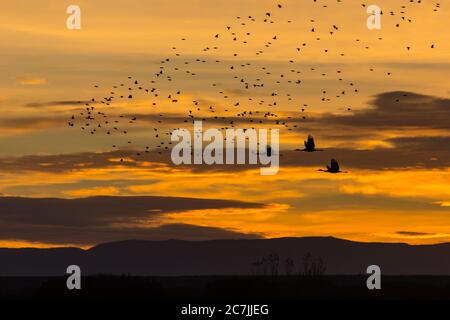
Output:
[[226, 257]]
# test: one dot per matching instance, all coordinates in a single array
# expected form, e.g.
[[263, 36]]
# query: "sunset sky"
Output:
[[392, 137]]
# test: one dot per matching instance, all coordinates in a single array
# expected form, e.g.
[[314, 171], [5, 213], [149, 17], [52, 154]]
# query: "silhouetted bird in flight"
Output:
[[310, 145], [333, 167]]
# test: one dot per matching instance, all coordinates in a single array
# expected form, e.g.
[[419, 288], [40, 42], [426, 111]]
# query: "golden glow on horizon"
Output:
[[20, 244], [285, 193]]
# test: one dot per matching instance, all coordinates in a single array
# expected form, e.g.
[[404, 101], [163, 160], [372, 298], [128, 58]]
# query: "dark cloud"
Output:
[[34, 123], [78, 161], [421, 152], [55, 103], [421, 143], [99, 219], [336, 201], [412, 234], [388, 111], [394, 110], [397, 110], [417, 154], [102, 210]]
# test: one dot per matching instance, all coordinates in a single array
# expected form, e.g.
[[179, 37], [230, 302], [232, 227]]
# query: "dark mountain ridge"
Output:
[[227, 257]]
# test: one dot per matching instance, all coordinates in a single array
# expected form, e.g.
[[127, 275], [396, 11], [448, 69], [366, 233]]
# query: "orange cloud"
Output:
[[29, 80]]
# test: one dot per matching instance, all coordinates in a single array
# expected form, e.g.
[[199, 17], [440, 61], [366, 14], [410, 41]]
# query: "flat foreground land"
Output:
[[211, 288]]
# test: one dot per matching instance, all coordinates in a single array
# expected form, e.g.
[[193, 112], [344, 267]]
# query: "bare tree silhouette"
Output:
[[289, 265], [257, 266], [267, 265], [273, 262], [311, 266]]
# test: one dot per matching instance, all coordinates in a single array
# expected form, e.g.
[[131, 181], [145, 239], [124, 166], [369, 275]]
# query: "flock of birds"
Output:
[[251, 79]]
